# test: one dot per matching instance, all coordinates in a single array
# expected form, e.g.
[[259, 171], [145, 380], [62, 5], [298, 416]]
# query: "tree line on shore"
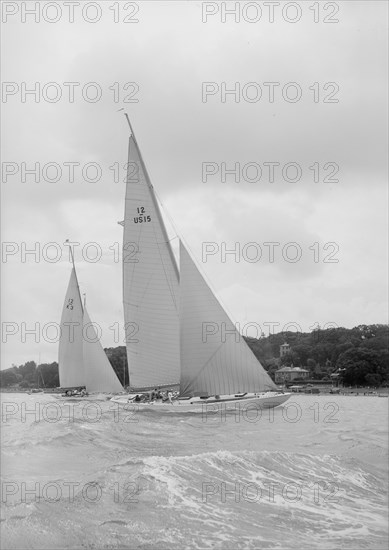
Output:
[[360, 356]]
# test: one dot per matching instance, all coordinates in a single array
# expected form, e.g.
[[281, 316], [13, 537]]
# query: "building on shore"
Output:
[[288, 374], [284, 349]]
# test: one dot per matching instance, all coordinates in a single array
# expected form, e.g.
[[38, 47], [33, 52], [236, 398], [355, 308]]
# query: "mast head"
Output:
[[67, 242], [129, 124]]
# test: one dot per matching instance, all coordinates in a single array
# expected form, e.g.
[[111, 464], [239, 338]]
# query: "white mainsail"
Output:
[[215, 359], [82, 360], [70, 353], [99, 373], [150, 284]]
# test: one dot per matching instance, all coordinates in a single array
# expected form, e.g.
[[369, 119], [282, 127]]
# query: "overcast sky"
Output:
[[338, 129]]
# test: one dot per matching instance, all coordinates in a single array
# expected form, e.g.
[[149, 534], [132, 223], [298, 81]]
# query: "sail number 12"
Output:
[[142, 217]]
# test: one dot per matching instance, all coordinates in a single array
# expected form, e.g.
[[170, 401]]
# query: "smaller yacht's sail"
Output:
[[70, 353], [99, 374], [215, 359]]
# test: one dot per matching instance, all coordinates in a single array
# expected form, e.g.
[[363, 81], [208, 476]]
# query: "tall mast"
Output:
[[75, 273], [154, 198], [40, 371]]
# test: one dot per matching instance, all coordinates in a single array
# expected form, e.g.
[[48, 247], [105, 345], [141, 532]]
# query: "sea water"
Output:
[[95, 474]]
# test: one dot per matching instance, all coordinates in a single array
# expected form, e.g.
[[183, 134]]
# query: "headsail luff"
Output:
[[150, 284], [70, 353], [99, 373], [215, 358]]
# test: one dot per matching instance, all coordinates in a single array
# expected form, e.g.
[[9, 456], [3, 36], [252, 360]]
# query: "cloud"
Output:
[[169, 54]]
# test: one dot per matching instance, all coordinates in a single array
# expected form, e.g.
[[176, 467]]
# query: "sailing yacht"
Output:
[[166, 310], [82, 361]]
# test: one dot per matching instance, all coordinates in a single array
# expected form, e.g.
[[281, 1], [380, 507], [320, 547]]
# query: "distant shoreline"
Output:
[[359, 391], [29, 390], [329, 390]]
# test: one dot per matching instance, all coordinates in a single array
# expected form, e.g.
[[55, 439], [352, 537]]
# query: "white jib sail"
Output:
[[150, 285], [70, 354], [99, 373], [215, 359]]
